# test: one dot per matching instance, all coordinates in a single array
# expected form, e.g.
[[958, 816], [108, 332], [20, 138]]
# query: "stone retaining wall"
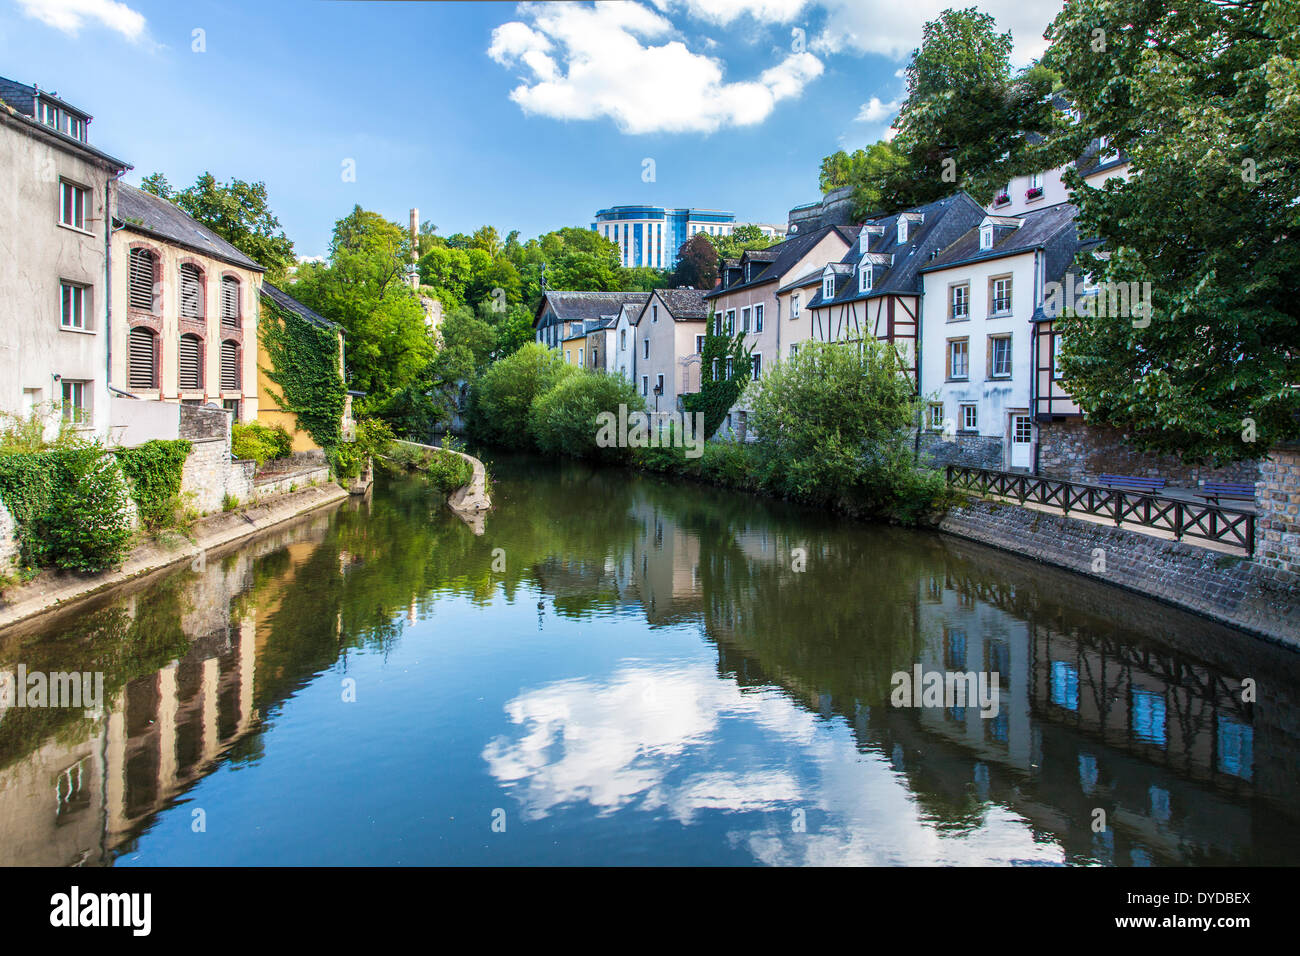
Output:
[[1077, 451], [972, 451], [1277, 498], [1234, 590]]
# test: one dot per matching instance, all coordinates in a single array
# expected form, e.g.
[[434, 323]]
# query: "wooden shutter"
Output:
[[191, 362], [191, 292], [142, 367], [229, 301], [229, 366], [140, 280]]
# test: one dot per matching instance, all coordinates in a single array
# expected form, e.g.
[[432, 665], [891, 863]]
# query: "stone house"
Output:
[[670, 330], [56, 195]]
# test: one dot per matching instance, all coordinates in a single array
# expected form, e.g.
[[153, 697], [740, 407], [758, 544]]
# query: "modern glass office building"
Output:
[[651, 235]]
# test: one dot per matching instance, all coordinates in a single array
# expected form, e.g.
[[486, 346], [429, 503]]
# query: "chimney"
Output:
[[413, 273]]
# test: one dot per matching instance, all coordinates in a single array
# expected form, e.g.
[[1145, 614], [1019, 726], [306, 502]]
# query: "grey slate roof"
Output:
[[683, 305], [144, 212], [18, 95], [944, 220], [1042, 228], [21, 102], [783, 256], [572, 306], [289, 303]]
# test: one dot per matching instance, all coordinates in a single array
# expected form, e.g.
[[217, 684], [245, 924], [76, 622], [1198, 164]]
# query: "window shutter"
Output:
[[191, 292], [140, 280], [140, 359], [229, 301], [191, 365], [229, 366]]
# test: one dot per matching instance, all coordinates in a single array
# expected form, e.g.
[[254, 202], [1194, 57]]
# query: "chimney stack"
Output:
[[413, 272]]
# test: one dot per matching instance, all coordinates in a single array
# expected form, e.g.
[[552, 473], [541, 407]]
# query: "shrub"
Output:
[[563, 420], [447, 471], [155, 471], [350, 458], [503, 398], [260, 443]]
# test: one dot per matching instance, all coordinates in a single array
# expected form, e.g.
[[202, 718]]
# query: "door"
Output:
[[1022, 439]]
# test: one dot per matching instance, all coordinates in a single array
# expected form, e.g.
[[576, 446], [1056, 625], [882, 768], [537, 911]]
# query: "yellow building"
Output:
[[270, 396]]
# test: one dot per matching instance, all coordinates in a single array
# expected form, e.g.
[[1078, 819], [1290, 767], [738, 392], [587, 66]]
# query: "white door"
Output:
[[1022, 438]]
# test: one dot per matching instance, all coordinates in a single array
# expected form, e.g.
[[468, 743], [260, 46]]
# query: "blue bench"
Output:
[[1238, 490], [1133, 483]]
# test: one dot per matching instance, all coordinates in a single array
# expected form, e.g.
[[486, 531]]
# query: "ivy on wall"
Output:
[[718, 394], [305, 367], [155, 471]]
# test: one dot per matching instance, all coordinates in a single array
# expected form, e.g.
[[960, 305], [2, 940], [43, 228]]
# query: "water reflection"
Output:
[[643, 672]]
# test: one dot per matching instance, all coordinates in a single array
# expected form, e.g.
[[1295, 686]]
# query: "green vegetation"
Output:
[[444, 470], [260, 443], [726, 367], [155, 472], [563, 420], [504, 396], [305, 367], [372, 438]]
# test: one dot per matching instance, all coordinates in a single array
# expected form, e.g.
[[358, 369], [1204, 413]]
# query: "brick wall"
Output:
[[1080, 452], [1235, 591], [1277, 496], [975, 451]]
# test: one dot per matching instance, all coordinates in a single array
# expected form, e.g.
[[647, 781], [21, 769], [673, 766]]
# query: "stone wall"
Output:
[[1233, 590], [975, 451], [1077, 451], [198, 423], [1277, 498]]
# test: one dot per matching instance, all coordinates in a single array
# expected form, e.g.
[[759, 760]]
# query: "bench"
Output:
[[1238, 490], [1133, 483]]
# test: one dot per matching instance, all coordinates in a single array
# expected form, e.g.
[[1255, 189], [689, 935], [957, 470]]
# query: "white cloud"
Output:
[[874, 110], [71, 15], [723, 12], [586, 63]]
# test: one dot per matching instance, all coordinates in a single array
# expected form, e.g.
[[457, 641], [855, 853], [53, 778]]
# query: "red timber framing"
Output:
[[1051, 400], [889, 318]]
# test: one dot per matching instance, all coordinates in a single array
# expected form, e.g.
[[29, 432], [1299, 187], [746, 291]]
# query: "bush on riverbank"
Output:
[[155, 471], [563, 420], [445, 470], [503, 399], [260, 443]]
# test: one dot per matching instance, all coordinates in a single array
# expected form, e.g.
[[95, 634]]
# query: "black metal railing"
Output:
[[1182, 519]]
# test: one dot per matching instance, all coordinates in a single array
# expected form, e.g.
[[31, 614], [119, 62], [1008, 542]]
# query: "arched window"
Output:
[[142, 363], [191, 292], [229, 366], [229, 301], [140, 280], [191, 362]]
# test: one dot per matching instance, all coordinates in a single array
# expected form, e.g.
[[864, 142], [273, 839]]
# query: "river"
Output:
[[627, 670]]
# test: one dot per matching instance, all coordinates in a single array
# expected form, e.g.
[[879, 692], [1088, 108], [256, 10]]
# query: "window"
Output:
[[986, 236], [142, 358], [731, 321], [864, 274], [654, 312], [191, 362], [1000, 296], [645, 384], [958, 359], [568, 357], [72, 306], [1057, 339], [76, 127], [1000, 356], [960, 303], [729, 367], [902, 230], [699, 345], [229, 300], [645, 348], [229, 366], [580, 356], [232, 405], [191, 292], [72, 204], [1035, 190], [50, 115], [76, 407], [622, 340], [744, 319], [794, 306], [758, 318], [936, 415], [140, 280], [758, 367], [659, 384], [1148, 716], [828, 288], [794, 350], [1022, 429], [970, 417]]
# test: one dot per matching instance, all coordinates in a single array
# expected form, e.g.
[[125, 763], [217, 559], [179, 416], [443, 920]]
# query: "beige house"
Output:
[[669, 336], [55, 195], [188, 305], [747, 299]]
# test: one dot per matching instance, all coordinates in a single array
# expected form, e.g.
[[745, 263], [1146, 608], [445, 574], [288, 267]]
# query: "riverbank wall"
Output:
[[53, 589], [1234, 590]]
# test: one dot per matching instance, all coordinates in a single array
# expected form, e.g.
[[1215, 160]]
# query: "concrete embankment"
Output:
[[52, 589], [472, 498]]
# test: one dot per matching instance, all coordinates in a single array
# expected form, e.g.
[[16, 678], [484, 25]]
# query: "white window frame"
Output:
[[79, 294], [902, 230], [962, 345], [794, 305], [828, 288], [953, 315], [994, 297], [986, 237], [864, 274], [758, 366], [936, 415], [80, 196], [994, 341], [968, 415], [78, 410]]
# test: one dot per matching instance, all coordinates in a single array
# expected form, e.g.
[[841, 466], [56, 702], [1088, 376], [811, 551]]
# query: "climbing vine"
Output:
[[155, 471], [734, 366], [305, 366]]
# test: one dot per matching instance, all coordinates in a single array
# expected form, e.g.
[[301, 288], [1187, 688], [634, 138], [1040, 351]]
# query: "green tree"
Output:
[[697, 263], [874, 173], [503, 398], [1205, 100], [237, 211], [742, 238], [563, 420]]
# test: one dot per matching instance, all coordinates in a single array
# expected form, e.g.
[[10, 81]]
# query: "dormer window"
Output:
[[828, 287], [902, 230], [864, 277], [986, 236]]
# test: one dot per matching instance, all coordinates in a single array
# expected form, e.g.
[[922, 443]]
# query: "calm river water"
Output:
[[625, 670]]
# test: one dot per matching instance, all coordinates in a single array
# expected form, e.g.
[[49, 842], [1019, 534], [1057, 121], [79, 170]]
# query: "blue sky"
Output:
[[525, 116]]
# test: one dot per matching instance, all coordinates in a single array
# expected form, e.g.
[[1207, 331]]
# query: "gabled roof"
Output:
[[683, 305], [1038, 230], [146, 213], [18, 103], [285, 301], [574, 306], [785, 255], [932, 227]]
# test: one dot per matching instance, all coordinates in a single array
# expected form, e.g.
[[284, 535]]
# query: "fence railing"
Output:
[[1182, 519]]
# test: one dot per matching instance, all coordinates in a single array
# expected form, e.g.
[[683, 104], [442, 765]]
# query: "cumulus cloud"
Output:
[[71, 15], [874, 110], [624, 61]]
